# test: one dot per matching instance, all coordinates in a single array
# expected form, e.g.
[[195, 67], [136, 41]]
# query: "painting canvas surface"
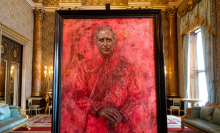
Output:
[[124, 81]]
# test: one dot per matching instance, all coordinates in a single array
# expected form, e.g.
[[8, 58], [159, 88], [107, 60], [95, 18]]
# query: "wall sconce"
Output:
[[165, 70], [12, 67], [48, 71]]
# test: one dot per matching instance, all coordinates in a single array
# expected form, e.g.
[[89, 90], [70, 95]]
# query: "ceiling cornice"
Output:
[[80, 6], [38, 6]]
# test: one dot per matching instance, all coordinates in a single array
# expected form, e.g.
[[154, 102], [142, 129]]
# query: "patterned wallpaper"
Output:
[[48, 47], [218, 50], [165, 35], [18, 15]]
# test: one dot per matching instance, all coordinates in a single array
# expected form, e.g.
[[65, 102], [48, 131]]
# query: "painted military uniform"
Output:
[[110, 83]]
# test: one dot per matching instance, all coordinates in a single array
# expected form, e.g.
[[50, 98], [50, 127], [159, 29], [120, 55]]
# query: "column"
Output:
[[173, 85], [37, 53]]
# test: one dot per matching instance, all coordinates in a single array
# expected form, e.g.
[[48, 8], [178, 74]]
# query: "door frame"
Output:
[[18, 38]]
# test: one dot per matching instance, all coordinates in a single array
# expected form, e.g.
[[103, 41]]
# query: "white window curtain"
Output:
[[203, 15]]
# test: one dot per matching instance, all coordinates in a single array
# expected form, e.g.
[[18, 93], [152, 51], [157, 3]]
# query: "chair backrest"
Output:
[[29, 101], [177, 102]]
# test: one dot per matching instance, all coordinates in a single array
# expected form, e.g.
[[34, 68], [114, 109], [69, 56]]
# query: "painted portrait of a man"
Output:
[[106, 86], [109, 74]]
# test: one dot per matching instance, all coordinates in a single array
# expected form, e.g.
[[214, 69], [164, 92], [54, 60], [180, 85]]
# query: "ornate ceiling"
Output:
[[102, 2]]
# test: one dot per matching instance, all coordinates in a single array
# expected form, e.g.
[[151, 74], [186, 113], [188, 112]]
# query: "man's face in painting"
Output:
[[105, 42]]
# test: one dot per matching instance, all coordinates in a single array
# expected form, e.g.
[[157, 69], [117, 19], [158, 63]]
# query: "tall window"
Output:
[[198, 87]]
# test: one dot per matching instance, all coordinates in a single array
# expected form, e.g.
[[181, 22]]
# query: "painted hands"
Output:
[[113, 116]]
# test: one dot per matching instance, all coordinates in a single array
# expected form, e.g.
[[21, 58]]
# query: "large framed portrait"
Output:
[[109, 72]]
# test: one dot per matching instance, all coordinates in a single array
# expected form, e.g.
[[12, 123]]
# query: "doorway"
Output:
[[10, 76]]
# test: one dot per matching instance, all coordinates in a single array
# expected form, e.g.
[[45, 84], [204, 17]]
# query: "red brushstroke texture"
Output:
[[135, 43]]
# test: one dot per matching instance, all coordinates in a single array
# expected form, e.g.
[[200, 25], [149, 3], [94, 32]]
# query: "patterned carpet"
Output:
[[42, 124], [174, 124], [39, 124]]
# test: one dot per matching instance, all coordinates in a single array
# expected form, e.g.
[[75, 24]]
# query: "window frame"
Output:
[[194, 90]]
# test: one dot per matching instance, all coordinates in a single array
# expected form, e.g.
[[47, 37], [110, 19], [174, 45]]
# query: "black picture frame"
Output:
[[159, 57]]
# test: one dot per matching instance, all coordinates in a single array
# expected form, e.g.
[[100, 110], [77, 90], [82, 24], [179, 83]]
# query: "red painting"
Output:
[[108, 76]]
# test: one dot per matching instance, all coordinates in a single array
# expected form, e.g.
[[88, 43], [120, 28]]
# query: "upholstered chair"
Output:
[[32, 107], [176, 105]]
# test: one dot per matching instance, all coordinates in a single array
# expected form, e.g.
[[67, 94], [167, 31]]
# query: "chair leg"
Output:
[[36, 111], [49, 111], [28, 127], [178, 112], [171, 111], [182, 128]]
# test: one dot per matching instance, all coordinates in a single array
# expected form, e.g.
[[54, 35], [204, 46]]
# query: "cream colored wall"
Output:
[[18, 15]]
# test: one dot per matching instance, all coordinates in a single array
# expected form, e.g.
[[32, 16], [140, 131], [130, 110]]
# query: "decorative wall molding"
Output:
[[163, 7], [190, 5], [38, 6], [178, 2], [172, 4], [171, 12], [75, 4], [39, 13], [52, 5], [6, 31], [139, 3], [103, 7], [30, 2], [50, 9]]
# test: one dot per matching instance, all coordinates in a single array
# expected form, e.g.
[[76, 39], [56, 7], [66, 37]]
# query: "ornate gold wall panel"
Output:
[[166, 53], [51, 2], [161, 1], [68, 1], [47, 48], [101, 2]]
